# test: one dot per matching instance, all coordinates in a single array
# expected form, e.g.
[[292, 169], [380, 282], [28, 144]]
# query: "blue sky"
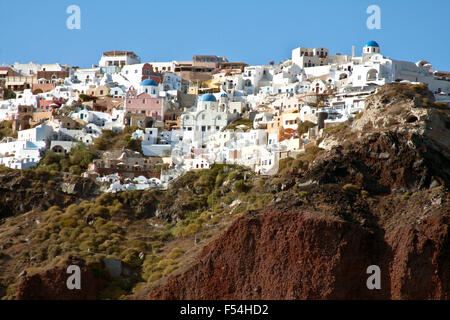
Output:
[[253, 31]]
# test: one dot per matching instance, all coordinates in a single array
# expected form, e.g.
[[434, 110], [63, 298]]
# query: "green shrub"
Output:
[[6, 129], [76, 162], [110, 140], [51, 158], [53, 251], [68, 223], [164, 263], [335, 129], [100, 212], [175, 253], [187, 227], [303, 127], [219, 180], [137, 244], [351, 189], [284, 164], [241, 186], [101, 143], [86, 98], [169, 269], [241, 121], [155, 276]]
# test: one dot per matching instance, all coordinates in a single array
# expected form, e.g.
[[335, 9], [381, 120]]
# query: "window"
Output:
[[203, 128]]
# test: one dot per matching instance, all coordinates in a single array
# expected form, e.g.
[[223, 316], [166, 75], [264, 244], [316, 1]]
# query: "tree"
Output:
[[82, 156], [6, 129], [8, 94], [110, 140], [303, 127], [86, 98]]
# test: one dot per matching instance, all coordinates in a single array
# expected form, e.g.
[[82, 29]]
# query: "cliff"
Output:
[[378, 196]]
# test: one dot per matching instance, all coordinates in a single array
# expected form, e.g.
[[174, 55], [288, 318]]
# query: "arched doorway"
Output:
[[372, 75]]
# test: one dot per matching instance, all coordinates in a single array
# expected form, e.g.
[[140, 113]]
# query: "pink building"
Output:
[[144, 103]]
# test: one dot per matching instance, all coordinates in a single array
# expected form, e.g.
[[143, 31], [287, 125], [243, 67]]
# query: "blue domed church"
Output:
[[371, 48]]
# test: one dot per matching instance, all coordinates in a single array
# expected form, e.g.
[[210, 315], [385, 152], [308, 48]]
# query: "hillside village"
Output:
[[180, 116]]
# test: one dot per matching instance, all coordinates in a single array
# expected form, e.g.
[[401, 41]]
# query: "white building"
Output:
[[171, 82], [118, 59], [26, 69], [21, 154], [254, 77], [163, 67], [42, 132], [205, 120], [147, 136], [86, 76]]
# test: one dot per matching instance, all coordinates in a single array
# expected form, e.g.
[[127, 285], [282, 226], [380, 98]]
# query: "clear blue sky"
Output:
[[253, 31]]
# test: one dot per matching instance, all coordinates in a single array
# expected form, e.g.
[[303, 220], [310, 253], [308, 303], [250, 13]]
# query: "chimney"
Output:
[[321, 117], [353, 51]]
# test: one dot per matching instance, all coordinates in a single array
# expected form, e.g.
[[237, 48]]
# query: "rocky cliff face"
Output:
[[52, 284], [19, 194], [300, 255], [378, 197]]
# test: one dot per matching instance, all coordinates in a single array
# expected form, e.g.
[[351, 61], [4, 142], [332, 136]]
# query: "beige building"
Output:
[[101, 91]]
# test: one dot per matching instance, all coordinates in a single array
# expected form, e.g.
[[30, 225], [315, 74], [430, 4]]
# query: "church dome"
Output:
[[372, 43], [208, 97], [149, 82]]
